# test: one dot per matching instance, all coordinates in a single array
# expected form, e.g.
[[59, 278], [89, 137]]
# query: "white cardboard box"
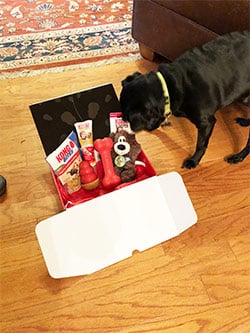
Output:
[[107, 229]]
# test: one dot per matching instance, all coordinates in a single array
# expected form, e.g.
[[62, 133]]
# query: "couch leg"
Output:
[[147, 53]]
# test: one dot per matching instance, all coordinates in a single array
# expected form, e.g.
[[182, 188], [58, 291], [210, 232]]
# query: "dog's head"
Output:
[[142, 101]]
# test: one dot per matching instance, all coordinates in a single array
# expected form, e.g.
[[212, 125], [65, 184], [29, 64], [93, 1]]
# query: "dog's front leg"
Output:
[[204, 133]]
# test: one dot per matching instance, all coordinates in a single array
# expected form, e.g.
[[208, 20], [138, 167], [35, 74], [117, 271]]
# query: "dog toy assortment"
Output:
[[81, 165]]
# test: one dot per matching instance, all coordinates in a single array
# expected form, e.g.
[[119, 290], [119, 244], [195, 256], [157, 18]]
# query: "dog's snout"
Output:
[[154, 124]]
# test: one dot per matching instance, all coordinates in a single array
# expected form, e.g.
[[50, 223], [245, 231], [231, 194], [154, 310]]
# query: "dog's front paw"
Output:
[[189, 164]]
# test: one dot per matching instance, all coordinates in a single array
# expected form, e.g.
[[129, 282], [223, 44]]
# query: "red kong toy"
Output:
[[104, 146], [88, 177]]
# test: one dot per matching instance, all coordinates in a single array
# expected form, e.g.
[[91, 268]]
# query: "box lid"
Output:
[[107, 229], [55, 118]]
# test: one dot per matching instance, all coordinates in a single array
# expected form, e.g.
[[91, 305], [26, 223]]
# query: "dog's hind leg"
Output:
[[204, 133], [236, 158]]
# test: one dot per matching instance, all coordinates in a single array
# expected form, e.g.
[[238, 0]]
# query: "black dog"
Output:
[[196, 85]]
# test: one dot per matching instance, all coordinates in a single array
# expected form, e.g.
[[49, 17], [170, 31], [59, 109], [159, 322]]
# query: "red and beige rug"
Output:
[[49, 35]]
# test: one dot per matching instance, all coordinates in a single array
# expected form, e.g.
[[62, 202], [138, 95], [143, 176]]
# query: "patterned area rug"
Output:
[[43, 35]]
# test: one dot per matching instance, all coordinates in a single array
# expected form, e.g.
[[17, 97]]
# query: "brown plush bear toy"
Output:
[[124, 153]]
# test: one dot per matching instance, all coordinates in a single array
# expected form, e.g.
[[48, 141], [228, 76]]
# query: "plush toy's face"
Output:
[[122, 147], [125, 145]]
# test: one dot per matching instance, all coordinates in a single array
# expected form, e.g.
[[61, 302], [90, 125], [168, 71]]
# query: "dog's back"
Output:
[[219, 70]]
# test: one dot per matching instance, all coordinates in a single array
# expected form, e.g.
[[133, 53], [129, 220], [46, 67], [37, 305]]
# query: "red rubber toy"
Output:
[[88, 177], [104, 146]]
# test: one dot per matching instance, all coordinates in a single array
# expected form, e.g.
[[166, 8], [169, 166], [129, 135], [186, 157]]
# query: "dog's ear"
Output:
[[130, 78]]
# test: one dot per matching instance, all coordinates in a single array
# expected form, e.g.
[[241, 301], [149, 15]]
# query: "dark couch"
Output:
[[170, 27]]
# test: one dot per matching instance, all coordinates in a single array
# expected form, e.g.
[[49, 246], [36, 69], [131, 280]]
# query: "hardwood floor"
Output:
[[196, 282]]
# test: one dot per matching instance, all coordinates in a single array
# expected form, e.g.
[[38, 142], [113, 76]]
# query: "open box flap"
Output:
[[178, 201], [107, 229]]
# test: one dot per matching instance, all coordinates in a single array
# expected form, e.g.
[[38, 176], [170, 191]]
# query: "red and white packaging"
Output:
[[65, 161]]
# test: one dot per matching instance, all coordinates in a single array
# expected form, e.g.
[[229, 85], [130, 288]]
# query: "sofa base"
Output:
[[160, 26], [147, 53]]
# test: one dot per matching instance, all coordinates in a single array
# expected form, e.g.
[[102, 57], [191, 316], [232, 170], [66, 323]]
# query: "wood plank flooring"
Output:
[[196, 282]]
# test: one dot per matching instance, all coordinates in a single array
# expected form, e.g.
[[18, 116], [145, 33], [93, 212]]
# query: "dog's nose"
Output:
[[154, 124]]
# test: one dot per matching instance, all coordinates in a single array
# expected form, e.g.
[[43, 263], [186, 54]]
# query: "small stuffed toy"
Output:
[[124, 154]]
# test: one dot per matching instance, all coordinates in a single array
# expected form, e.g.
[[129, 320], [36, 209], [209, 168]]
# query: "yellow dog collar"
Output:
[[167, 110]]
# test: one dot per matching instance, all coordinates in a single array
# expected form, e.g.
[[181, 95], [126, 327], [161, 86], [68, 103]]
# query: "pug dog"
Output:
[[195, 86]]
